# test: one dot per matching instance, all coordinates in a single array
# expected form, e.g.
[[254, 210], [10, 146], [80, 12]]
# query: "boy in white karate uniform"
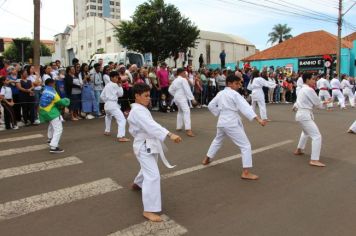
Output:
[[227, 104], [149, 137], [347, 89], [258, 97], [110, 94], [180, 90], [336, 92], [352, 129], [306, 100], [323, 85]]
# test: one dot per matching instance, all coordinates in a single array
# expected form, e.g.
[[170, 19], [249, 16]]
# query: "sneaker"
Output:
[[15, 127], [37, 122], [20, 124], [89, 117], [56, 150]]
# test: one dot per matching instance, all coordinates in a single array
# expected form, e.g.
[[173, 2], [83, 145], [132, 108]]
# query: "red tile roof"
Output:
[[351, 37], [314, 43]]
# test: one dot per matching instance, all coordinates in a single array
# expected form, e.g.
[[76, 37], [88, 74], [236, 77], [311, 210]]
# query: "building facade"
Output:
[[100, 8], [307, 52]]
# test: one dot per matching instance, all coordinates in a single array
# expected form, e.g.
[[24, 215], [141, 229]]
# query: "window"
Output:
[[92, 0], [117, 3], [108, 39], [87, 7], [99, 42], [112, 3], [100, 8], [100, 1], [100, 14], [81, 47], [112, 9], [92, 14], [93, 7], [247, 48], [89, 45]]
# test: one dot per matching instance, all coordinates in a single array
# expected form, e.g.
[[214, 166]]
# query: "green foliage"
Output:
[[13, 52], [158, 28], [279, 34]]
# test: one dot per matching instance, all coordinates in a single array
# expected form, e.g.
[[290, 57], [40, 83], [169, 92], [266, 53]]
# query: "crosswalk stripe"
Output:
[[222, 160], [167, 227], [37, 167], [33, 136], [35, 203], [19, 150]]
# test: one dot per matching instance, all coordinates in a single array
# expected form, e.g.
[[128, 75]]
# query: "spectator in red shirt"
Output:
[[3, 68], [163, 79]]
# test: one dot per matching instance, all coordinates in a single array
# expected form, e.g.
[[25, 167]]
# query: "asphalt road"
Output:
[[88, 193]]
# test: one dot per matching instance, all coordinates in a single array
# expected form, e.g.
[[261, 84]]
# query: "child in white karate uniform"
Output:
[[227, 105], [149, 137], [110, 94], [306, 100]]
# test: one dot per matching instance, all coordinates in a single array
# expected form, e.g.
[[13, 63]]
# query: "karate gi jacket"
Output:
[[256, 86], [110, 95], [146, 131], [227, 104], [307, 99], [180, 89]]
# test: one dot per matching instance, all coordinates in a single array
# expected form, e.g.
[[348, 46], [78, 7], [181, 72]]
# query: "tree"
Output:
[[279, 34], [14, 51], [158, 28]]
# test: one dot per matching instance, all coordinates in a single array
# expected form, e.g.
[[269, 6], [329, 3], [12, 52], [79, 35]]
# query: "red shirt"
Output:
[[163, 77], [3, 72]]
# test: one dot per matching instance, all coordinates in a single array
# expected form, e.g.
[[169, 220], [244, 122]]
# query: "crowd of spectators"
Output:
[[21, 87]]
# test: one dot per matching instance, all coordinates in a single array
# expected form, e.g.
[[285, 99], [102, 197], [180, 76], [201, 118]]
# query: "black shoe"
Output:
[[56, 150]]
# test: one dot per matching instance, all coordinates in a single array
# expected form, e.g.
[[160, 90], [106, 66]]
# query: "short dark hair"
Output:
[[49, 81], [113, 73], [96, 65], [180, 70], [110, 62], [232, 78], [307, 76], [75, 61], [140, 89]]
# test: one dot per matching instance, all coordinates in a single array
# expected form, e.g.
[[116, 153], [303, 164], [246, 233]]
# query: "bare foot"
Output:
[[350, 131], [298, 152], [190, 133], [107, 134], [248, 176], [152, 216], [207, 161], [135, 187], [123, 140], [316, 163]]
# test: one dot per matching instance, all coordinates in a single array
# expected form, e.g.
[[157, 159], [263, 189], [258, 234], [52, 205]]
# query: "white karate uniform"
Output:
[[306, 100], [323, 85], [110, 94], [180, 90], [336, 92], [147, 145], [353, 127], [347, 91], [54, 132], [227, 104], [258, 96], [299, 84]]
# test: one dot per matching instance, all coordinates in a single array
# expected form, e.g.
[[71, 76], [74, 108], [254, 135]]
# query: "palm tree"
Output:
[[279, 34]]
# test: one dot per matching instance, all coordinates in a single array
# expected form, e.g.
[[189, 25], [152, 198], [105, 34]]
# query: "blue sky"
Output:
[[227, 16]]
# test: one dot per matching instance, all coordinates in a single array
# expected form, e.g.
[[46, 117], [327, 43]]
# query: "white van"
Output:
[[126, 57]]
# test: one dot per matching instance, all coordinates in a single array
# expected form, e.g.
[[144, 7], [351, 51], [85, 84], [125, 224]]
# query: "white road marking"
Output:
[[31, 148], [35, 203], [6, 140], [223, 160], [167, 228], [37, 167]]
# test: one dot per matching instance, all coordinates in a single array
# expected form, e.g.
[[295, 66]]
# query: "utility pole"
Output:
[[36, 34], [338, 47]]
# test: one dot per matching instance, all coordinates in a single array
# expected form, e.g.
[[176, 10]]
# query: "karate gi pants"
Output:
[[325, 95], [261, 106], [353, 127], [238, 137], [183, 116], [120, 120], [55, 130], [310, 129], [340, 97], [149, 179], [347, 92]]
